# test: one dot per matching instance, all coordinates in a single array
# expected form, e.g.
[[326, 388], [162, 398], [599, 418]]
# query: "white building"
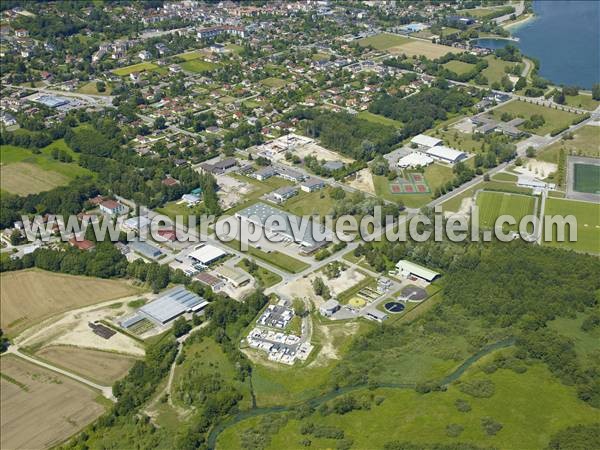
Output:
[[414, 159], [446, 154], [328, 308], [407, 269], [426, 141], [206, 254]]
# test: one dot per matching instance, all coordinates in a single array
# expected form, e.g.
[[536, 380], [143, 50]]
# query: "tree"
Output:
[[101, 86], [160, 123], [559, 97], [520, 84], [530, 152], [320, 288], [596, 91], [181, 327]]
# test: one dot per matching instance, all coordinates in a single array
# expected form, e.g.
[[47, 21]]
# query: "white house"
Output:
[[426, 141], [407, 269], [113, 208], [414, 159]]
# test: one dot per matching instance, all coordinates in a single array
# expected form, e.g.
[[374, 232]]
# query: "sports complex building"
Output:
[[170, 305]]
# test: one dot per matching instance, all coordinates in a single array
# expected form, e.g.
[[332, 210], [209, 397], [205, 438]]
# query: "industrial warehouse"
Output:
[[170, 305]]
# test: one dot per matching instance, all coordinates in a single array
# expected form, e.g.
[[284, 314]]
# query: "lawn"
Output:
[[28, 296], [260, 188], [586, 342], [494, 204], [22, 172], [554, 118], [587, 178], [102, 367], [505, 176], [198, 66], [194, 54], [459, 67], [588, 224], [273, 82], [274, 258], [90, 88], [582, 101], [376, 118], [141, 67], [585, 142], [41, 408], [383, 41], [495, 70], [313, 203], [176, 208], [522, 403], [264, 276]]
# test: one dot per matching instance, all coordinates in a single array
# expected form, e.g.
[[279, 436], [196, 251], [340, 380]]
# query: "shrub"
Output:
[[490, 426], [454, 430], [478, 388], [462, 405]]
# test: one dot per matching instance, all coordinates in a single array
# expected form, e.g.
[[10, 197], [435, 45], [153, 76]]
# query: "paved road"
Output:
[[105, 390], [518, 11]]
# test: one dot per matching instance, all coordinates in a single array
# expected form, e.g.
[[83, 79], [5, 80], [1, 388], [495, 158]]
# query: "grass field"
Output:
[[275, 258], [198, 66], [102, 367], [586, 342], [587, 178], [505, 176], [174, 208], [494, 204], [22, 172], [309, 203], [90, 88], [495, 70], [41, 408], [28, 296], [522, 403], [416, 47], [264, 276], [383, 41], [588, 223], [459, 67], [554, 118], [582, 101], [194, 54], [260, 188], [141, 67], [376, 118], [585, 142], [273, 82]]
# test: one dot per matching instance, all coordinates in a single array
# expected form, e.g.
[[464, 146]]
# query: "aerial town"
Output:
[[160, 118]]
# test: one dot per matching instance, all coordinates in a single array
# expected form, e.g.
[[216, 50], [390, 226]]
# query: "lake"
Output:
[[564, 37]]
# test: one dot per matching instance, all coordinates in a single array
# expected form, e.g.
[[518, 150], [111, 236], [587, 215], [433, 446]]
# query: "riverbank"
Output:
[[519, 22]]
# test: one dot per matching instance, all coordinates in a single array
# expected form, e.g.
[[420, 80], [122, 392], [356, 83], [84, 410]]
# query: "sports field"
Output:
[[587, 178], [410, 183], [41, 408], [198, 66], [28, 296], [458, 67], [588, 223], [141, 67], [494, 204], [383, 41], [554, 118], [22, 172], [102, 367]]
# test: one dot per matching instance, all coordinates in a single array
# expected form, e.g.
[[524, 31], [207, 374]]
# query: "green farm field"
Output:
[[494, 204], [383, 41], [22, 172], [554, 118], [588, 224]]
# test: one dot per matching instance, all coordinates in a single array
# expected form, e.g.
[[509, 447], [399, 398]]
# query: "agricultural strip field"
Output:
[[458, 67], [534, 399], [585, 142], [274, 258], [588, 223], [198, 66], [28, 296], [41, 408], [22, 172], [494, 204], [102, 367], [383, 41], [554, 118], [141, 67]]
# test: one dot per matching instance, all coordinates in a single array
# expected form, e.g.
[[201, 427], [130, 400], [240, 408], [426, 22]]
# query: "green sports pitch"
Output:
[[587, 178], [495, 204], [588, 223]]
